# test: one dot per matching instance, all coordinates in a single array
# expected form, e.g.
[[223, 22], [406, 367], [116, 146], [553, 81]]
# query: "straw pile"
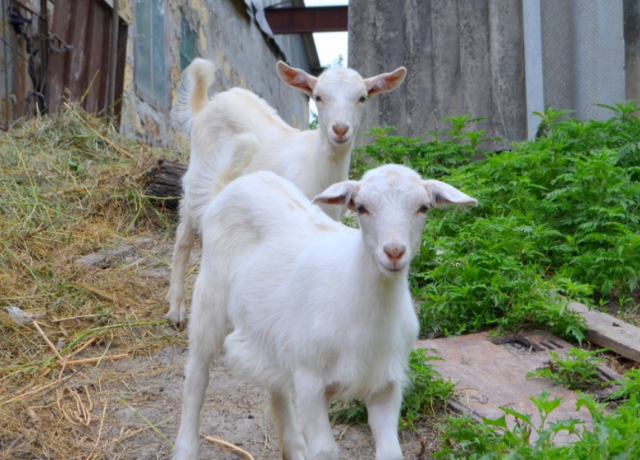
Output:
[[71, 186]]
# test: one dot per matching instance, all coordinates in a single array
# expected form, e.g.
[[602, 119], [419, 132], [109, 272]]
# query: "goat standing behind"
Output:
[[238, 123], [318, 310]]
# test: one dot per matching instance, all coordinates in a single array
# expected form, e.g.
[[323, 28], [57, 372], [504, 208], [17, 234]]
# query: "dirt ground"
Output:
[[136, 401], [234, 411]]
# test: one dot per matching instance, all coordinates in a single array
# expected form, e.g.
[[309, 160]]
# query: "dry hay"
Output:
[[70, 186]]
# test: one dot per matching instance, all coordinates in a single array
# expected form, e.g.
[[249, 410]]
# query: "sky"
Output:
[[330, 45]]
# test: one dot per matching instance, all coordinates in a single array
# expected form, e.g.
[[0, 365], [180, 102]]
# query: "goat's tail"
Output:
[[212, 174], [192, 95]]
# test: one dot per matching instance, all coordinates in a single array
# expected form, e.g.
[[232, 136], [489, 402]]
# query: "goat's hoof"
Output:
[[176, 317]]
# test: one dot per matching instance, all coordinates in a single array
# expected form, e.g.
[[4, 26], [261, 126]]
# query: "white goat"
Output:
[[318, 310], [239, 121]]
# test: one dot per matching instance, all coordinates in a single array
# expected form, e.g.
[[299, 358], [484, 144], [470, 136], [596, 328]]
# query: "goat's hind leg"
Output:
[[206, 334], [185, 237], [292, 443]]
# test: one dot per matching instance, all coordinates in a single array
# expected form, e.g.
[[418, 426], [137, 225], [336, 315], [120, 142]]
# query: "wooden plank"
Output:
[[78, 79], [57, 64], [95, 58], [123, 35], [489, 376], [289, 20], [610, 332]]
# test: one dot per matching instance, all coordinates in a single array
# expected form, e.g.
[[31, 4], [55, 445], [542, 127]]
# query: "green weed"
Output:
[[578, 370], [558, 218]]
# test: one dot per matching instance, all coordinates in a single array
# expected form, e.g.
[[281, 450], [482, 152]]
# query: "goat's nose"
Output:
[[394, 250], [340, 129]]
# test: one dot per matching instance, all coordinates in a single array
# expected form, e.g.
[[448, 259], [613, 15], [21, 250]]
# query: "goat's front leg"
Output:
[[384, 411], [185, 237], [292, 444], [312, 407]]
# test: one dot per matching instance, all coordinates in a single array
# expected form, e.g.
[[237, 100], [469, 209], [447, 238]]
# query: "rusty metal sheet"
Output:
[[489, 375], [308, 20]]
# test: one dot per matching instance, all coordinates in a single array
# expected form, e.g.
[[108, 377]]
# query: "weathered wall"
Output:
[[632, 49], [228, 37], [583, 54], [462, 56]]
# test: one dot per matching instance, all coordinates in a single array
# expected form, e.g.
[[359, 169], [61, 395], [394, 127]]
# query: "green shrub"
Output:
[[615, 435], [557, 219]]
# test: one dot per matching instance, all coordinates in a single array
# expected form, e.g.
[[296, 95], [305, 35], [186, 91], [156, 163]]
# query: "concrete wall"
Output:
[[462, 56], [245, 57], [583, 55]]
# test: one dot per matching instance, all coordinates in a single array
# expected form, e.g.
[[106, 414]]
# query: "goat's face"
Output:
[[340, 95], [392, 204]]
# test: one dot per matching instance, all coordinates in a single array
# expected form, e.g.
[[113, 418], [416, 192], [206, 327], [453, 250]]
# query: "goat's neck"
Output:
[[339, 158], [379, 287]]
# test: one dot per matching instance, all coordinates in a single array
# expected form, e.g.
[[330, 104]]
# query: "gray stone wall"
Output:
[[243, 55], [462, 56]]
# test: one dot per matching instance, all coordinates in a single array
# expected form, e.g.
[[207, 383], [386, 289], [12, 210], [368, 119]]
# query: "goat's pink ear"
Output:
[[444, 194], [296, 78], [385, 81], [342, 193]]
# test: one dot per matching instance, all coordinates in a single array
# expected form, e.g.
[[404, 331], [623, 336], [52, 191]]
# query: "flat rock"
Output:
[[490, 373], [106, 257]]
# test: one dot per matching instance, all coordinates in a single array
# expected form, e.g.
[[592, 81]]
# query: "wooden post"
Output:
[[113, 58]]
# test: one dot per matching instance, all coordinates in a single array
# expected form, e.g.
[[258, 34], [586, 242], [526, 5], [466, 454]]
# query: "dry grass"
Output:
[[70, 186]]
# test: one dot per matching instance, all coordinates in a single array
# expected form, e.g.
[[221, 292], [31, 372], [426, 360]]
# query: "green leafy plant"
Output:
[[558, 218], [578, 370], [613, 436]]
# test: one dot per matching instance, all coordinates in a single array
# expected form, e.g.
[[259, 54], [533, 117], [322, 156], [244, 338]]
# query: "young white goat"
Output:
[[318, 310], [239, 121]]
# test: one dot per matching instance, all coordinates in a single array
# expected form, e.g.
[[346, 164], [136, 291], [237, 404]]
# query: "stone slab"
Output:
[[489, 375]]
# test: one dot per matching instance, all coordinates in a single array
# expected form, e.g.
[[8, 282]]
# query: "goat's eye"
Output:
[[361, 209], [424, 208], [363, 99], [318, 99]]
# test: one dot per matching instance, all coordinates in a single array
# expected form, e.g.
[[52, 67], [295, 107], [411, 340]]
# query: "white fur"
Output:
[[240, 133], [317, 310]]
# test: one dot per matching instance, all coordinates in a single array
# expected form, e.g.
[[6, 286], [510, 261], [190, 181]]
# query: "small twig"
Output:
[[344, 431], [423, 447], [98, 292], [35, 390], [59, 320], [76, 362], [228, 445], [44, 336], [85, 345], [104, 412], [41, 229]]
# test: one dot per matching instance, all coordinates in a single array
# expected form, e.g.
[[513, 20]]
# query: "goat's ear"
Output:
[[385, 81], [444, 194], [296, 78], [342, 193]]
